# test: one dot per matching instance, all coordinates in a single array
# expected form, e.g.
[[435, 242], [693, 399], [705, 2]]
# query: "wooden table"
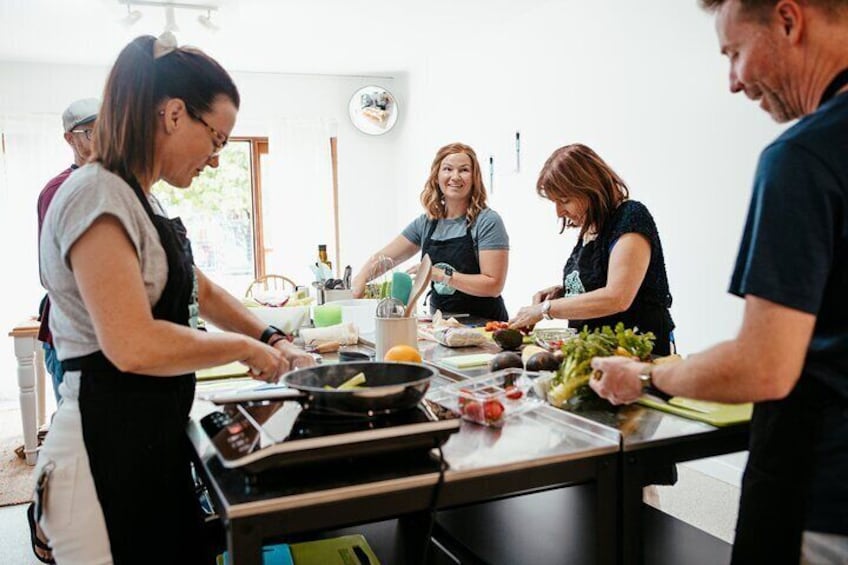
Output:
[[31, 382]]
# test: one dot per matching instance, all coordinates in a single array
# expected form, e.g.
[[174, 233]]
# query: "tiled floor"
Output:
[[14, 536]]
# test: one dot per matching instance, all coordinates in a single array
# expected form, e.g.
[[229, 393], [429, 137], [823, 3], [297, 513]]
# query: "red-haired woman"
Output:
[[616, 271]]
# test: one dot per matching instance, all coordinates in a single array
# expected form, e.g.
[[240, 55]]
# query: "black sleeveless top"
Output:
[[587, 270]]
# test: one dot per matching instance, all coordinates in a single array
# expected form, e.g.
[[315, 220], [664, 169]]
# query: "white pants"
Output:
[[72, 518]]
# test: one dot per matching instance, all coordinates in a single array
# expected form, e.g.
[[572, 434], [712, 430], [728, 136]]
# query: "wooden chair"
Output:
[[271, 283]]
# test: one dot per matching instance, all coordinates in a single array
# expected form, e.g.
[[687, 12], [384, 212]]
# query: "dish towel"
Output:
[[345, 334]]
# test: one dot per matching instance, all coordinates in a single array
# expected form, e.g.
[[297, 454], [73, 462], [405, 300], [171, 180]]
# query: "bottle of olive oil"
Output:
[[322, 255]]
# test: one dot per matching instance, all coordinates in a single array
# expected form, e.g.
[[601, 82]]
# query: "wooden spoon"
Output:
[[422, 281]]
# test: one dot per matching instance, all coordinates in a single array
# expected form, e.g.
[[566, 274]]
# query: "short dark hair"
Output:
[[760, 7], [137, 83]]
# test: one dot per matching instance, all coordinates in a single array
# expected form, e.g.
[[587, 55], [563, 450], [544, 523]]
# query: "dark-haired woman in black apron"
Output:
[[134, 429]]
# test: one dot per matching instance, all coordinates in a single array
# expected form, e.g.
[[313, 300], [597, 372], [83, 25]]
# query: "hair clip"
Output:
[[166, 43]]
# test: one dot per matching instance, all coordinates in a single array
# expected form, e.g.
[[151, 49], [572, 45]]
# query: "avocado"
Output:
[[505, 360], [508, 340], [542, 361]]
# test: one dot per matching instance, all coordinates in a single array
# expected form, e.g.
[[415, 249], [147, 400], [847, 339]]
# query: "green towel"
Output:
[[343, 550]]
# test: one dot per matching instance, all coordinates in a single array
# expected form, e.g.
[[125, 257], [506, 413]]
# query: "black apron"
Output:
[[786, 479], [134, 433], [460, 253]]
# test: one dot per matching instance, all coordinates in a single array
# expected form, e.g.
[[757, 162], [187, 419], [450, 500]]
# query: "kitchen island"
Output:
[[597, 462]]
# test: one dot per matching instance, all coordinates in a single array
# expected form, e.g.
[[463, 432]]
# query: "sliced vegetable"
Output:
[[355, 381]]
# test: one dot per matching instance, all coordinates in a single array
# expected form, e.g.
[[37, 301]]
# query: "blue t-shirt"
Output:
[[794, 249], [487, 231]]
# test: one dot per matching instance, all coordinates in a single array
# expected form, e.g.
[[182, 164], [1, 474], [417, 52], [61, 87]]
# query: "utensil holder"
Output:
[[389, 332]]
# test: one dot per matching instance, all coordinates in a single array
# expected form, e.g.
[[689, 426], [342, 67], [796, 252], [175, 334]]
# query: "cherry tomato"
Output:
[[473, 411], [493, 410], [513, 392], [464, 397]]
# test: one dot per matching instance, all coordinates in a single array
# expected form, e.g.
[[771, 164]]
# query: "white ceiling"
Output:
[[294, 36]]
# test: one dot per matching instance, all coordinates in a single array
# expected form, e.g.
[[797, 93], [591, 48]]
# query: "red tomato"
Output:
[[493, 410], [513, 392], [464, 397], [473, 411]]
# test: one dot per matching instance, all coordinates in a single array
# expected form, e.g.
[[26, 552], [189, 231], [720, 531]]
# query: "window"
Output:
[[221, 211]]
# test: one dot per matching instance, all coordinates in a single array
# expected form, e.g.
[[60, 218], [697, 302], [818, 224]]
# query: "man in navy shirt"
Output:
[[791, 354]]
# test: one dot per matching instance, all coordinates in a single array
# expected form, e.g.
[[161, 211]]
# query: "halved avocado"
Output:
[[508, 340], [505, 360], [542, 361]]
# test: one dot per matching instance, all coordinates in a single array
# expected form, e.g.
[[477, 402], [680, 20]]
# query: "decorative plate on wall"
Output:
[[373, 110]]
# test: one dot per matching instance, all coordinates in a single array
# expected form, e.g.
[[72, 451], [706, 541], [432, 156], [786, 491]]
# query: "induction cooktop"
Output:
[[261, 435]]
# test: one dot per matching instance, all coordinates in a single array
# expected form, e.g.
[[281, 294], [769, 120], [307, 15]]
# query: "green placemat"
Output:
[[713, 413]]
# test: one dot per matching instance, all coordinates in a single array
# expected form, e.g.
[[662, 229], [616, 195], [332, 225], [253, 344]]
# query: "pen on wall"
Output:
[[517, 152], [491, 174]]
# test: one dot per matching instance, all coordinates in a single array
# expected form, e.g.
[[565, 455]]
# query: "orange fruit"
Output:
[[405, 353]]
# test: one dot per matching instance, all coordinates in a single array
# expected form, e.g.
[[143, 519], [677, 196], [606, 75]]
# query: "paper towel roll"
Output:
[[345, 334]]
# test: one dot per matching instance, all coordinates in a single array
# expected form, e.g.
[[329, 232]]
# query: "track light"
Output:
[[206, 21], [131, 17], [170, 19]]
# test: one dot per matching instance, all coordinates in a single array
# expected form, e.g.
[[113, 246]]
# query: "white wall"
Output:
[[32, 93], [643, 84]]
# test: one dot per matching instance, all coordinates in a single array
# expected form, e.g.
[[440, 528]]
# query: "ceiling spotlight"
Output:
[[131, 17], [206, 21]]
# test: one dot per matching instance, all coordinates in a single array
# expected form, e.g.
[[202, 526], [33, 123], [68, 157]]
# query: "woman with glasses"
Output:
[[126, 297]]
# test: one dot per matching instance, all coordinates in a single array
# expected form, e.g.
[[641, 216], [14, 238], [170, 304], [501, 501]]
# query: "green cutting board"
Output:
[[713, 413], [467, 361]]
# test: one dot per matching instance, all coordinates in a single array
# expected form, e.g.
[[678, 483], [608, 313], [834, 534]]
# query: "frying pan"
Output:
[[389, 387]]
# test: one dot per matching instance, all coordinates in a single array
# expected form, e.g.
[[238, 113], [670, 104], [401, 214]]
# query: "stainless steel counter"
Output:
[[618, 450]]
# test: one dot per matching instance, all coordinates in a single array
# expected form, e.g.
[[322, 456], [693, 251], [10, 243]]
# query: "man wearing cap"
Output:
[[78, 122]]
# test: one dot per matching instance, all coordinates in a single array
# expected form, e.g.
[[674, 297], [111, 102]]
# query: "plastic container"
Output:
[[360, 312], [493, 398]]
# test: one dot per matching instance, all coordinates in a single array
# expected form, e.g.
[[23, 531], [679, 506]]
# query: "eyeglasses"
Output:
[[86, 132], [217, 136]]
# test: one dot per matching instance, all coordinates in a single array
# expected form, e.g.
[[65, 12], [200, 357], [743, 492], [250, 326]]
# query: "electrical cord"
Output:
[[434, 503]]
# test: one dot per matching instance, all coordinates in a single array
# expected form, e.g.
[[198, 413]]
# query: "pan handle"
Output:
[[257, 395]]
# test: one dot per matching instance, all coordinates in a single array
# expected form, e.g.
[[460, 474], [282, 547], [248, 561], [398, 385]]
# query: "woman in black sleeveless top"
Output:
[[616, 271]]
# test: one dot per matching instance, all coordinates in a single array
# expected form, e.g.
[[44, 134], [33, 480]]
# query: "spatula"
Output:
[[422, 281]]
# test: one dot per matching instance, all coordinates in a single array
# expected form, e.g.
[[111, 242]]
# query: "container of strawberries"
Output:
[[493, 398]]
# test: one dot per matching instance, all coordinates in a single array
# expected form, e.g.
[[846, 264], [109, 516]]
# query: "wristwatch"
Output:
[[645, 375], [269, 334], [546, 310], [448, 270]]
